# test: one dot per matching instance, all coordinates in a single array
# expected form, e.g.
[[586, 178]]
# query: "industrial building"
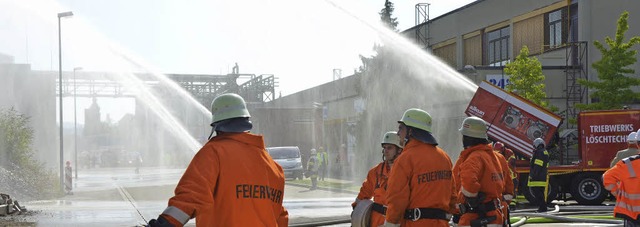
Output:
[[481, 37]]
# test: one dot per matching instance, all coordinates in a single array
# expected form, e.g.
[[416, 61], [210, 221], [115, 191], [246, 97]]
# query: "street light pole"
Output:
[[75, 122], [61, 15]]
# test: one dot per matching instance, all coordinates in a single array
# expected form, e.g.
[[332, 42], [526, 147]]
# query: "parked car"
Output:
[[290, 160]]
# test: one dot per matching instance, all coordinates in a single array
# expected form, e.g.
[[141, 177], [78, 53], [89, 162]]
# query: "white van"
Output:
[[290, 160]]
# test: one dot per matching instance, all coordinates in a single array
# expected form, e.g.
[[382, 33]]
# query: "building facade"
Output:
[[480, 38]]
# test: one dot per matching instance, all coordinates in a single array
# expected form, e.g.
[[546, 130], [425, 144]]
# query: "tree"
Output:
[[385, 16], [20, 173], [613, 89], [526, 78]]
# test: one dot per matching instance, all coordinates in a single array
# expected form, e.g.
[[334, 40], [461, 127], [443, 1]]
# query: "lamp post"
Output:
[[61, 15], [75, 122]]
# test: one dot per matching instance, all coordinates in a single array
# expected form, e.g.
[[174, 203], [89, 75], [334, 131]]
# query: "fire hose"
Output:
[[557, 214], [9, 206]]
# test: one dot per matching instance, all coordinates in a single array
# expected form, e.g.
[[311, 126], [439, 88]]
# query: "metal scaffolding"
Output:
[[204, 88], [422, 23], [575, 69]]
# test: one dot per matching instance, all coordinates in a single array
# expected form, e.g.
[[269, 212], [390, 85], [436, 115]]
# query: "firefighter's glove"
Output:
[[389, 224], [160, 222]]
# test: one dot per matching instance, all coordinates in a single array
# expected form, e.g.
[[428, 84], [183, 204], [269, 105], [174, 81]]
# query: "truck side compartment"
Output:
[[578, 157]]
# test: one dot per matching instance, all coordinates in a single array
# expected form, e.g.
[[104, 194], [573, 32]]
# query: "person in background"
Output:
[[312, 169], [138, 162], [420, 190], [232, 180], [68, 179], [511, 162], [538, 176], [375, 185], [509, 190], [622, 180], [632, 149], [323, 159]]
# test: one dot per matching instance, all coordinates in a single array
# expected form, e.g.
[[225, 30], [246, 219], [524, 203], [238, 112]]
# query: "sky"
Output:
[[300, 42]]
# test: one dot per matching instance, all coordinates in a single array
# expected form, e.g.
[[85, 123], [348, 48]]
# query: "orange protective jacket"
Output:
[[375, 186], [511, 160], [480, 171], [509, 188], [623, 181], [231, 181], [420, 178]]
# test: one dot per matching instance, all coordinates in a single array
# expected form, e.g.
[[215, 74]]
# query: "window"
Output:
[[555, 29], [497, 47]]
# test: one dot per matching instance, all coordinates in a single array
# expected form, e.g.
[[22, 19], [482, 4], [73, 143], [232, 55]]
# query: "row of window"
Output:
[[496, 43], [556, 34]]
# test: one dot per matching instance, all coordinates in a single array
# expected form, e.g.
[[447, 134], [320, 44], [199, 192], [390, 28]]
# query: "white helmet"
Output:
[[474, 127], [391, 137], [313, 151], [537, 142], [632, 138]]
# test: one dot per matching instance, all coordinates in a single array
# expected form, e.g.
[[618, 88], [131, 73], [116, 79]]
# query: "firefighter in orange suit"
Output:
[[375, 186], [507, 194], [481, 177], [623, 181], [511, 162], [420, 190], [232, 180]]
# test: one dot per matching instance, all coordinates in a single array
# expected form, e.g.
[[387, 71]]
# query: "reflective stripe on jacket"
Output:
[[231, 181], [375, 186], [623, 180], [538, 168], [420, 178]]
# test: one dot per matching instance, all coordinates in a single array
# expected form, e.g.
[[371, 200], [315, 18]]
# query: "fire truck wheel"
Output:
[[552, 193], [587, 189]]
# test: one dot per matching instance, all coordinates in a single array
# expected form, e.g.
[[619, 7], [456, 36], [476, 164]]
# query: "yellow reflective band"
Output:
[[538, 162], [537, 184], [546, 153]]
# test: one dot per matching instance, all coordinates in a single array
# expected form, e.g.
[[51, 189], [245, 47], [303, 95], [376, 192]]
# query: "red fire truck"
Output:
[[579, 156]]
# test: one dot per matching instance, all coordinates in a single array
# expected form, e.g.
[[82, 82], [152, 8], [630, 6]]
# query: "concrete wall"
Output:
[[598, 19]]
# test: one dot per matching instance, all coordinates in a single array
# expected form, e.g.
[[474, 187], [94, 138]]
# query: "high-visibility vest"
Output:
[[623, 181]]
